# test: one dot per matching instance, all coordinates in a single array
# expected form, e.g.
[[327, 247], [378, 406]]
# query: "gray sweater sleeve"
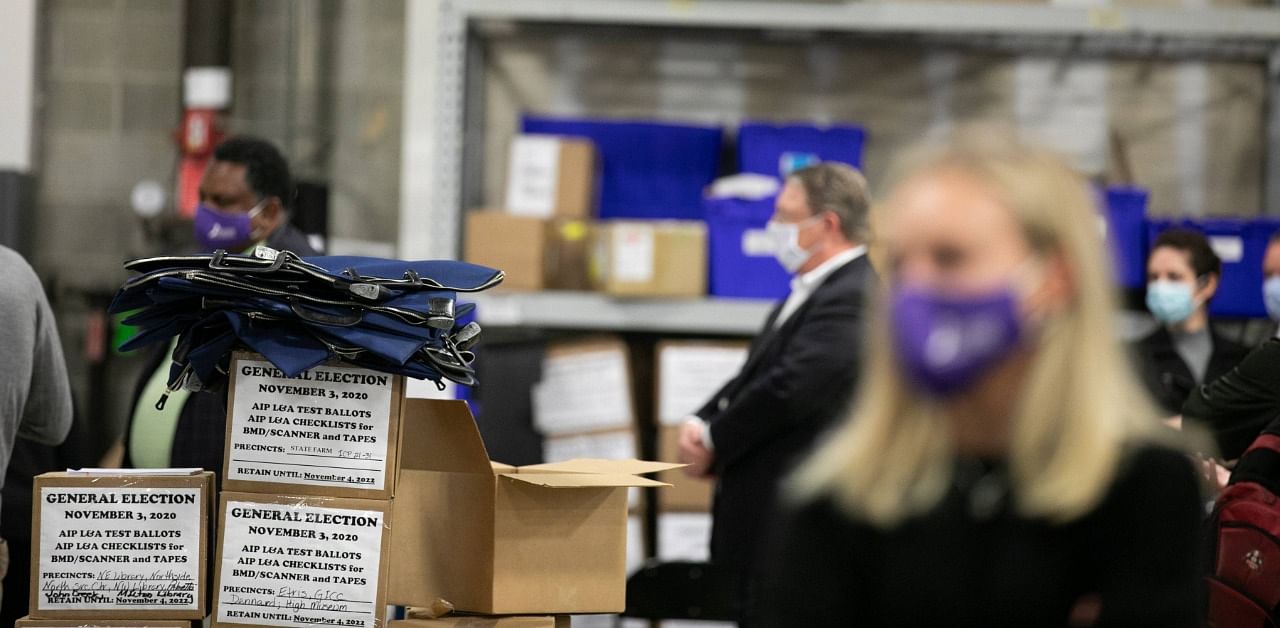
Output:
[[35, 395], [47, 416]]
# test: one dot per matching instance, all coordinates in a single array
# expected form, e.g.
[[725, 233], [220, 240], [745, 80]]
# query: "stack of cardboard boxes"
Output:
[[585, 405], [584, 408], [689, 373], [343, 496], [546, 236], [120, 549], [309, 473]]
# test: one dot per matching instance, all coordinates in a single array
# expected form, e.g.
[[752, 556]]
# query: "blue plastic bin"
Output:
[[648, 170], [772, 149], [738, 267], [1126, 212], [1241, 244]]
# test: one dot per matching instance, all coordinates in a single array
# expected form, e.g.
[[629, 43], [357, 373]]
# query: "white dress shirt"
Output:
[[803, 285]]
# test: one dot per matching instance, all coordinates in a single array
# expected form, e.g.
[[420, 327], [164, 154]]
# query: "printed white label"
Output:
[[688, 376], [583, 392], [633, 255], [327, 427], [619, 445], [684, 536], [119, 548], [758, 243], [299, 565], [1229, 248], [533, 176]]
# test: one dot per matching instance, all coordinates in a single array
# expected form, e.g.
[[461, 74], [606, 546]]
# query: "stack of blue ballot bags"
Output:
[[383, 314]]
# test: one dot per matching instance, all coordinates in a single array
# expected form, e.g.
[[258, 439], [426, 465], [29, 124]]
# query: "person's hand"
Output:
[[1174, 421], [1217, 474], [692, 450]]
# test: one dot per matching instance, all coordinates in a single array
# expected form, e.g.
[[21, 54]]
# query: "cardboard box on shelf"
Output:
[[121, 544], [611, 445], [301, 560], [686, 494], [585, 387], [486, 621], [550, 175], [690, 372], [664, 258], [28, 622], [535, 253], [492, 538], [331, 431]]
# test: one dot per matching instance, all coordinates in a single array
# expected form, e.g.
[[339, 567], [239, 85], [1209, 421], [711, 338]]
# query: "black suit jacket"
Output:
[[1167, 376], [1239, 405], [797, 380]]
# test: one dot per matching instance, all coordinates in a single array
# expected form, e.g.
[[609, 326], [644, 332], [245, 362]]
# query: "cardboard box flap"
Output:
[[597, 465], [499, 467], [582, 480], [441, 435]]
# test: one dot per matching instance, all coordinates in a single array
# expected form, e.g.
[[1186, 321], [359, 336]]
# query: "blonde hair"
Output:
[[1080, 404]]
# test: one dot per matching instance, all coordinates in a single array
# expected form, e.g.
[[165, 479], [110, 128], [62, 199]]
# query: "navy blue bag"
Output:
[[389, 315]]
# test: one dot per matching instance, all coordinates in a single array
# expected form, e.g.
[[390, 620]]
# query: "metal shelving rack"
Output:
[[459, 28], [589, 311]]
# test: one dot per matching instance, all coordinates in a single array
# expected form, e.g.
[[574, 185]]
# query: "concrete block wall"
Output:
[[108, 98], [320, 78], [333, 102]]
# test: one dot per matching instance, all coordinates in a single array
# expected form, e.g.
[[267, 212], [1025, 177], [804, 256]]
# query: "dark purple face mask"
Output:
[[216, 229], [946, 343]]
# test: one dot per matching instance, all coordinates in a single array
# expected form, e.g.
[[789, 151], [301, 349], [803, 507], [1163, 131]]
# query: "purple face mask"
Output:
[[222, 230], [946, 343]]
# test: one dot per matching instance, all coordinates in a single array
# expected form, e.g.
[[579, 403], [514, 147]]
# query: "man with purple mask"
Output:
[[244, 199], [800, 372]]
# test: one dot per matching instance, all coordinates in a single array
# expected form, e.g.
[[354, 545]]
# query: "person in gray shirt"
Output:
[[35, 396]]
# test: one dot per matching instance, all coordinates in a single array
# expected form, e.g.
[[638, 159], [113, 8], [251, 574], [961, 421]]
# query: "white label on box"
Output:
[[758, 243], [1229, 248], [689, 376], [684, 537], [608, 445], [582, 392], [299, 565], [533, 176], [633, 255], [119, 548], [327, 427]]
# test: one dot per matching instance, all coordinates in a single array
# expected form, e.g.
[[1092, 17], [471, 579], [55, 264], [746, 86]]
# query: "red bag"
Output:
[[1244, 586]]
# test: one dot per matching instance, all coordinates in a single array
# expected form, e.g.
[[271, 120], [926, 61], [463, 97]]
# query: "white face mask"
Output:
[[786, 243]]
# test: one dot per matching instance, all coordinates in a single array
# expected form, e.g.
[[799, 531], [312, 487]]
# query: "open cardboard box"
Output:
[[492, 538]]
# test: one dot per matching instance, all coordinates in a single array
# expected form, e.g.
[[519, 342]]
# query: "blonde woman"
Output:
[[1002, 466]]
